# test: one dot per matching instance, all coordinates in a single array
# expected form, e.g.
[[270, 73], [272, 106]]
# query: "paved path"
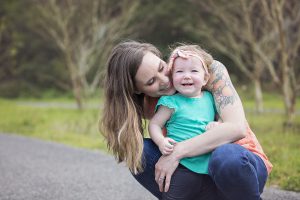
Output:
[[31, 169]]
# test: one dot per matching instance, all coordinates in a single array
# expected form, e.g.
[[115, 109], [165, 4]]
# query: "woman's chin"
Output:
[[168, 92]]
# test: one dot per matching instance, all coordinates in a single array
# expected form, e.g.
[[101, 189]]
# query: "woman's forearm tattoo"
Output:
[[221, 86]]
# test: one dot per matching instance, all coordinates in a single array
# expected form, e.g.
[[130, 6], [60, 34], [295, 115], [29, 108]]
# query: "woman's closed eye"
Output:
[[161, 68], [151, 81]]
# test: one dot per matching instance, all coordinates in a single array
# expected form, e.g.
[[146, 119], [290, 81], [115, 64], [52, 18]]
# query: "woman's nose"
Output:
[[164, 79]]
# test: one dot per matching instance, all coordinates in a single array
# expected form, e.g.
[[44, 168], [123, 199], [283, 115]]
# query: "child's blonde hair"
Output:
[[186, 50]]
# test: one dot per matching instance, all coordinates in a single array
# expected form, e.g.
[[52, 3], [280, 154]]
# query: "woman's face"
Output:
[[152, 77]]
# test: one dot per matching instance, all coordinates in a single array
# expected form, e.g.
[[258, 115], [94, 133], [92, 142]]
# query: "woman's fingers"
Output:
[[165, 168], [167, 183], [159, 175]]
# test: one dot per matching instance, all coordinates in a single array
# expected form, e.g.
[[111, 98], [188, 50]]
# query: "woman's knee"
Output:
[[228, 157]]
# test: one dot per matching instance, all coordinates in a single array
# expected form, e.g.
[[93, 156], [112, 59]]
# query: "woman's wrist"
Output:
[[179, 151]]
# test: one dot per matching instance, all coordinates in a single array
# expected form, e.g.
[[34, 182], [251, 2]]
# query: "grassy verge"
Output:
[[79, 129], [281, 147], [64, 125]]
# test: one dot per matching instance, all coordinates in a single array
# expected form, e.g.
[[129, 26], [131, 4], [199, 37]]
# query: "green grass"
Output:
[[68, 126], [281, 147], [80, 129]]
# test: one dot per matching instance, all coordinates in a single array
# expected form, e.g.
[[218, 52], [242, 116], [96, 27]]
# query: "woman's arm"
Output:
[[233, 128]]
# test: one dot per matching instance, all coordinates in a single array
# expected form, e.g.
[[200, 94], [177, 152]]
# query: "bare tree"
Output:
[[83, 31], [229, 28], [257, 35], [285, 18]]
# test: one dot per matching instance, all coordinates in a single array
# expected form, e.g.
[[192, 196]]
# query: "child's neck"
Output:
[[194, 96]]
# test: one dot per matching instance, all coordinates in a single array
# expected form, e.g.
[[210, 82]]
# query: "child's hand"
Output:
[[166, 146], [211, 125]]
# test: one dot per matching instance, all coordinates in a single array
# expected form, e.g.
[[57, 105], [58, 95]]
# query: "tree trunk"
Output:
[[77, 92], [286, 79], [258, 96], [76, 81], [286, 89]]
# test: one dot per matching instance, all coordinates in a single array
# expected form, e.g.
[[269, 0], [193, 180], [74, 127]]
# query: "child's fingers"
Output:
[[171, 141], [167, 151], [169, 146]]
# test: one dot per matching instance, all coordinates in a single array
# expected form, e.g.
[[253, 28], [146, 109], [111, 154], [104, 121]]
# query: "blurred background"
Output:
[[53, 54]]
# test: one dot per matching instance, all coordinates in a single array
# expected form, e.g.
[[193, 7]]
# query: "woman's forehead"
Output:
[[150, 60], [149, 67]]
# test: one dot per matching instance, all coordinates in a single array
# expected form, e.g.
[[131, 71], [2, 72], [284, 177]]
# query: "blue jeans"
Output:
[[188, 185], [237, 172]]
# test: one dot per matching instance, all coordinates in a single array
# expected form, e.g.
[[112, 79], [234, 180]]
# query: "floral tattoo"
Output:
[[221, 86]]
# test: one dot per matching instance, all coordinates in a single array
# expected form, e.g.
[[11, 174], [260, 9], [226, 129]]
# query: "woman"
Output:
[[136, 77]]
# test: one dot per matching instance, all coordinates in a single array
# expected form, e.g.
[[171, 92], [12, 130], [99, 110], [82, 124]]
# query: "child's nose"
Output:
[[186, 77]]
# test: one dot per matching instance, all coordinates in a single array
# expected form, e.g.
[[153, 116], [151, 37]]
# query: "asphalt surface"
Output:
[[31, 169]]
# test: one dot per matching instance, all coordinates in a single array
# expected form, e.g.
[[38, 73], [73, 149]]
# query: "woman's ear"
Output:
[[206, 78]]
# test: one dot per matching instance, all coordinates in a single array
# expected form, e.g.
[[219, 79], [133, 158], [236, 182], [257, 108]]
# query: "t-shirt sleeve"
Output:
[[167, 101]]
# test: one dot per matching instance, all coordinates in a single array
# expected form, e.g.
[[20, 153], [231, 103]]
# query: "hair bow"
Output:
[[185, 55]]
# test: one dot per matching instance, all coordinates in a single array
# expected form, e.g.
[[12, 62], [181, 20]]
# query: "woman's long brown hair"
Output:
[[121, 122]]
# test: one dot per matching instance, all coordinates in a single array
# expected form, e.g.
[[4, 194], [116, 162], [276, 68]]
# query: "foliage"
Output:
[[27, 64], [252, 33]]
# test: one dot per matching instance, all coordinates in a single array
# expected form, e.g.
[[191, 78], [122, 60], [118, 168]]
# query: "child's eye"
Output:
[[179, 71], [194, 70]]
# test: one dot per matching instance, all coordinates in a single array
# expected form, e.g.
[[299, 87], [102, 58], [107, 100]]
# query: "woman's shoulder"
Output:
[[218, 75]]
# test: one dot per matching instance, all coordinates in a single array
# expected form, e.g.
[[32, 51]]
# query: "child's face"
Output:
[[188, 76]]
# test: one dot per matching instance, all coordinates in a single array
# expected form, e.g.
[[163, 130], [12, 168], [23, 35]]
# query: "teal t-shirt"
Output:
[[189, 119]]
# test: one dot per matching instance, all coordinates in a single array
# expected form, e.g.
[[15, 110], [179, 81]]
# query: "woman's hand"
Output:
[[165, 168]]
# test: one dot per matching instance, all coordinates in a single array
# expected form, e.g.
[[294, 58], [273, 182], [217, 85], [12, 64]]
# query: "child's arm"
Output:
[[156, 124]]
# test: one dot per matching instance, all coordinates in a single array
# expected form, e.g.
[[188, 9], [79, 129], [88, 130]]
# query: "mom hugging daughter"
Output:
[[229, 161]]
